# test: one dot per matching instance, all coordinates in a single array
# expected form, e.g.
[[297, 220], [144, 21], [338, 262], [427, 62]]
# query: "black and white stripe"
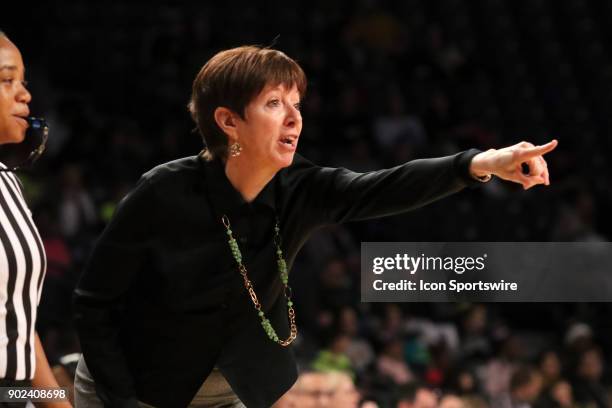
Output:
[[22, 268]]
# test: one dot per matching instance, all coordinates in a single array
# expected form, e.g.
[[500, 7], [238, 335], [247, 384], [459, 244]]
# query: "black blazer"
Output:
[[161, 302]]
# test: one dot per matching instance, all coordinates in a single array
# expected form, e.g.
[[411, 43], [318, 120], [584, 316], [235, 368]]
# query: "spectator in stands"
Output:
[[359, 350], [558, 395], [451, 401], [465, 384], [391, 363], [345, 395], [588, 388], [416, 396], [496, 375], [550, 368], [333, 357], [313, 390], [475, 342], [525, 388], [77, 213]]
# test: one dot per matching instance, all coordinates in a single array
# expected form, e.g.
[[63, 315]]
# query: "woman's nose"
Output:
[[23, 95], [293, 116]]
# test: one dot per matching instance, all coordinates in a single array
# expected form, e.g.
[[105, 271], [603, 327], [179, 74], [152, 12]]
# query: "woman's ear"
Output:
[[226, 120]]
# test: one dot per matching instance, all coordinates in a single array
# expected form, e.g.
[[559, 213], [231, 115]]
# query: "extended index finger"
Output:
[[530, 152]]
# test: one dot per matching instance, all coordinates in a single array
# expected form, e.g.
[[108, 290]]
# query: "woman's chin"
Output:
[[285, 160], [16, 136], [276, 161]]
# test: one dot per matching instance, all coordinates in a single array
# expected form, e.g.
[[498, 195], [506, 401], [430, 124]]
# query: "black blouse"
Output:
[[161, 301]]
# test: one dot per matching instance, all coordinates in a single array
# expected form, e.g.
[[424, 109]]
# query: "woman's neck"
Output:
[[247, 178]]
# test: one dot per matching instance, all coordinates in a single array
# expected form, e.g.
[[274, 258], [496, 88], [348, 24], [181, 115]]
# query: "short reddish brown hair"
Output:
[[233, 78]]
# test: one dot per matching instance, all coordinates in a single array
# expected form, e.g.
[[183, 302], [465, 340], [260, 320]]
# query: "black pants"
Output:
[[4, 382]]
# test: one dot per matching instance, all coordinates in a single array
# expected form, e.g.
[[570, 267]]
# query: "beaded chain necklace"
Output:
[[282, 269]]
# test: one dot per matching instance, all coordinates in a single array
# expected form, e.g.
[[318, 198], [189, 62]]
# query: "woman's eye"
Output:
[[274, 102], [12, 82], [298, 106]]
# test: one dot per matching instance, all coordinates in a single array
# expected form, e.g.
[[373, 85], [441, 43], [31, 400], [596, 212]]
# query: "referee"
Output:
[[22, 256]]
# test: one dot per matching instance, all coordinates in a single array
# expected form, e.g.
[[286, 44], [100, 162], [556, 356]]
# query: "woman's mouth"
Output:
[[289, 142], [22, 121]]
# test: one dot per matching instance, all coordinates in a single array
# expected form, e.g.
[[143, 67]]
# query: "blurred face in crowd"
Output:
[[424, 398], [591, 366], [451, 401], [14, 97], [349, 323], [269, 132], [345, 395], [393, 317], [340, 344], [512, 348], [550, 366], [466, 382], [476, 320], [395, 350], [531, 391], [562, 394], [313, 390]]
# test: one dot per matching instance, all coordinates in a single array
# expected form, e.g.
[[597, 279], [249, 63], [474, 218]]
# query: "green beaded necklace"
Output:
[[284, 275]]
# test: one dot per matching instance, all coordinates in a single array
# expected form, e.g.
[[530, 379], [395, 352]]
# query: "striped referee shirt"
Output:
[[22, 268]]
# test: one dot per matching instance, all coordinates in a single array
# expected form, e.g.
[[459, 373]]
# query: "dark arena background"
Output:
[[389, 81]]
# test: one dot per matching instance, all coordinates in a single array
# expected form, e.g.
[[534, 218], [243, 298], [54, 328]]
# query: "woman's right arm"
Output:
[[338, 195], [118, 256]]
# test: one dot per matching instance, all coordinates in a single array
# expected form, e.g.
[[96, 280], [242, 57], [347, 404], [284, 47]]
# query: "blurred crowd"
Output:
[[389, 81], [460, 356]]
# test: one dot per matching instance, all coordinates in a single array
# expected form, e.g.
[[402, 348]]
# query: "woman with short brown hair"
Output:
[[185, 300], [232, 78]]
